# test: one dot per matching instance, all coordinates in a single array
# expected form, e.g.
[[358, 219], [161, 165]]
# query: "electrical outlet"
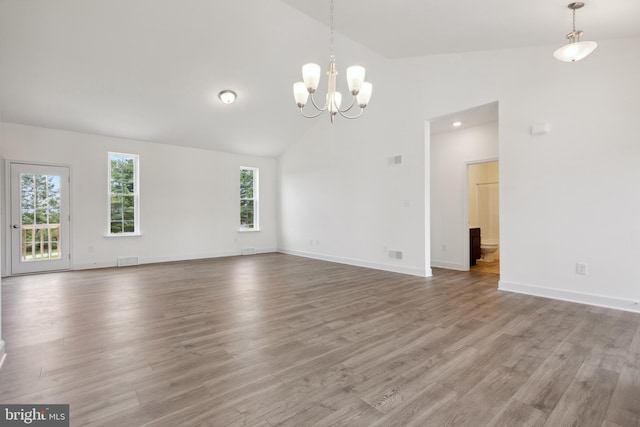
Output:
[[581, 268]]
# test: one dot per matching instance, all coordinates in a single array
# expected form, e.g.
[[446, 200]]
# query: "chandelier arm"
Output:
[[353, 102], [313, 101], [312, 116], [351, 117]]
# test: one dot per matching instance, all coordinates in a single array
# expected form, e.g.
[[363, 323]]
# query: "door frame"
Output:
[[6, 220]]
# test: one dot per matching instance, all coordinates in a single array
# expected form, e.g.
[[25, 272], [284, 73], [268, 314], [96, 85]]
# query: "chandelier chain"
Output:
[[574, 20], [332, 28]]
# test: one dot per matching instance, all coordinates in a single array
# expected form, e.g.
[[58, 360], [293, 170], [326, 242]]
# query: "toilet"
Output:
[[487, 249]]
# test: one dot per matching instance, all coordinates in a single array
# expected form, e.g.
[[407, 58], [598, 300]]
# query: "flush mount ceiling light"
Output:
[[456, 124], [575, 50], [360, 90], [227, 96]]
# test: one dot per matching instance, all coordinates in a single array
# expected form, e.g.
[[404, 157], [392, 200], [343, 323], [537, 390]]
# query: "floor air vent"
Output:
[[248, 251]]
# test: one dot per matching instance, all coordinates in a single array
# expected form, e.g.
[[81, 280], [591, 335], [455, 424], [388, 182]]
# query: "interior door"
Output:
[[39, 218]]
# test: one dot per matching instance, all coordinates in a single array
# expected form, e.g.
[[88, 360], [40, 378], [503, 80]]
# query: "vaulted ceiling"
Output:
[[151, 69]]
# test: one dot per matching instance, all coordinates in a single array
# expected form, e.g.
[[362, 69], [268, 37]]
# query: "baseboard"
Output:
[[3, 354], [449, 265], [360, 263], [155, 260], [581, 298]]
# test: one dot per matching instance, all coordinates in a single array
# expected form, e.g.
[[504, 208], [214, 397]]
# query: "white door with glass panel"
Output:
[[39, 218]]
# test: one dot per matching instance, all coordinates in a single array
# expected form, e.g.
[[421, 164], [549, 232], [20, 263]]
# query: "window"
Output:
[[248, 198], [123, 194]]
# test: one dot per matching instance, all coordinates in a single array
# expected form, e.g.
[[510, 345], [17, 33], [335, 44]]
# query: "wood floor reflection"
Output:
[[277, 340]]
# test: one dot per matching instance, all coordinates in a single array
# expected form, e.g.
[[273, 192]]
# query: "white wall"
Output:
[[189, 197], [571, 195], [451, 152], [568, 196], [345, 202], [340, 198]]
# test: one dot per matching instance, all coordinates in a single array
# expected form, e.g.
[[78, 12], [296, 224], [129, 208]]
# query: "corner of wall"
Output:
[[360, 263]]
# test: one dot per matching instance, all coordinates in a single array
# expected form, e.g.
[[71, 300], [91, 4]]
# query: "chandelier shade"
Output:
[[311, 76], [364, 95], [300, 93], [359, 89]]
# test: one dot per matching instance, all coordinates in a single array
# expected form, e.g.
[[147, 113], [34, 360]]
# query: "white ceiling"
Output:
[[151, 69], [468, 118], [398, 29]]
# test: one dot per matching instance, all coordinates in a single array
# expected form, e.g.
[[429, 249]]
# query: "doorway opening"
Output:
[[484, 216], [457, 141]]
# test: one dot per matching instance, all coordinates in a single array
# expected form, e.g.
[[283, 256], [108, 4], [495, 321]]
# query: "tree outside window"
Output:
[[248, 198], [40, 216], [123, 194]]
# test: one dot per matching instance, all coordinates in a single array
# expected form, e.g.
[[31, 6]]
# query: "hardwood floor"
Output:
[[273, 339], [486, 267]]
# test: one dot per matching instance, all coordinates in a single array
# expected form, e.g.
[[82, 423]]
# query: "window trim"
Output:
[[256, 200], [136, 195]]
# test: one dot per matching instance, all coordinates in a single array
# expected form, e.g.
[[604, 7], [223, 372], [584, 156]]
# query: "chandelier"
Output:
[[575, 50], [359, 89]]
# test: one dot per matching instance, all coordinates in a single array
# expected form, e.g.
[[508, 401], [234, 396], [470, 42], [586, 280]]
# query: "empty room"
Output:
[[319, 213]]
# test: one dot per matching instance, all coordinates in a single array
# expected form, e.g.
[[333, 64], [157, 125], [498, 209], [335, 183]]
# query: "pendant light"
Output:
[[575, 50]]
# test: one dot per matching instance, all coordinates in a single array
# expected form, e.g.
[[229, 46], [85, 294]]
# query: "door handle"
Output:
[[16, 226]]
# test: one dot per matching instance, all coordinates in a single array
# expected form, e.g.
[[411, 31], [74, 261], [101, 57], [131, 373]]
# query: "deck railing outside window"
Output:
[[40, 242]]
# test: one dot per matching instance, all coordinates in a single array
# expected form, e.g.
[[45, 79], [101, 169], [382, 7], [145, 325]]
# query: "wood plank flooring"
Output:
[[277, 340]]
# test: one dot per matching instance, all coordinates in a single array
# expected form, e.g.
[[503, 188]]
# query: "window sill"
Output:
[[115, 236], [248, 230]]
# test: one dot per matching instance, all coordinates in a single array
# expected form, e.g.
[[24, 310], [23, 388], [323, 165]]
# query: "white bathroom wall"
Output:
[[451, 153], [189, 197], [488, 207], [479, 173]]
